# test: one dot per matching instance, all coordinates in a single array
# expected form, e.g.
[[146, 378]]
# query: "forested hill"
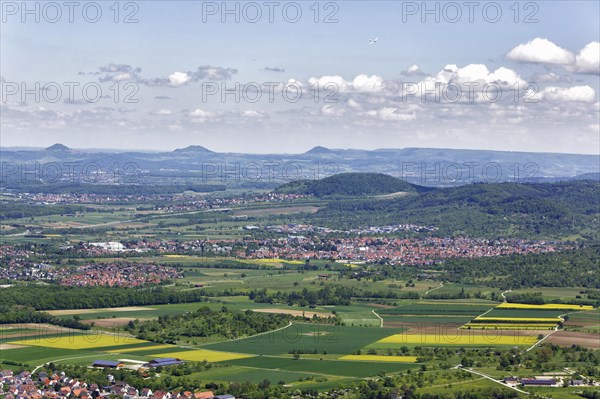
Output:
[[351, 184], [548, 210]]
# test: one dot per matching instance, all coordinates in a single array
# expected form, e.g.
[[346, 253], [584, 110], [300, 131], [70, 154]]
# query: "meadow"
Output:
[[345, 368], [430, 308], [256, 375], [324, 339], [380, 358]]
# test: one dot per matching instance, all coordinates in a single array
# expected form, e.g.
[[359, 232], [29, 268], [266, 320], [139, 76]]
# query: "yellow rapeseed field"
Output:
[[88, 341], [548, 306], [199, 355], [523, 319], [380, 358], [491, 338]]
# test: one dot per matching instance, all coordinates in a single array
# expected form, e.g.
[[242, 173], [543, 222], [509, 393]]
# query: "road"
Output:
[[433, 289], [493, 379], [379, 317]]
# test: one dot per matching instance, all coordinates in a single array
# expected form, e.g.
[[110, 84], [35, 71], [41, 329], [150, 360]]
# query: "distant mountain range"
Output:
[[423, 166]]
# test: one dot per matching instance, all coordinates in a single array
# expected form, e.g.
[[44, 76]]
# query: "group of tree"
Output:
[[207, 323], [20, 316], [571, 268], [53, 297], [328, 295]]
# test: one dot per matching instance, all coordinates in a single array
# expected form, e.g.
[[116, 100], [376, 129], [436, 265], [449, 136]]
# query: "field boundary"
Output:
[[379, 317], [433, 289]]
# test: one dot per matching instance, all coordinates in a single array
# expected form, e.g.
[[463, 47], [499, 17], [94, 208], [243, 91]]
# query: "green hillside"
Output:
[[350, 184], [549, 210]]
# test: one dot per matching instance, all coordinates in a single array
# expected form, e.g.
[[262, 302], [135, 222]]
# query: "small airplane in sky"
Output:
[[373, 41]]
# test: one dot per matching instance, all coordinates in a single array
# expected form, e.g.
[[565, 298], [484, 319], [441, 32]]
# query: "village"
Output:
[[111, 275], [42, 385], [58, 385], [357, 247], [17, 263], [188, 201]]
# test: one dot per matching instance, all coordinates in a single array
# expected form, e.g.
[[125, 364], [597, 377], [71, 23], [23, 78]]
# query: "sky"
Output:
[[284, 76]]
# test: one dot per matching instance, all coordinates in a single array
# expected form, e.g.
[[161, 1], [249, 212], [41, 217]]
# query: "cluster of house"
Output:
[[409, 251], [193, 202], [78, 198], [119, 275], [356, 248], [60, 386], [544, 381], [114, 275], [174, 202], [308, 228], [25, 270]]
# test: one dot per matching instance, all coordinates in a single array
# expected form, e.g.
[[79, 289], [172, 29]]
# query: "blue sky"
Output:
[[161, 55]]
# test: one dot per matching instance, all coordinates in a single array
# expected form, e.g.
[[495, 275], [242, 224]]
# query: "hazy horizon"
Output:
[[158, 75], [146, 150]]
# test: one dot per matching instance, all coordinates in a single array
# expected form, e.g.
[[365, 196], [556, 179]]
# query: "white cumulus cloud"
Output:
[[588, 59], [413, 70], [541, 50], [163, 112], [361, 83], [569, 94], [179, 78]]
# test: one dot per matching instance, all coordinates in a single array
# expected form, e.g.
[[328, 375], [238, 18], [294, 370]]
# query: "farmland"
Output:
[[310, 338], [343, 367], [451, 338], [547, 306], [240, 312], [81, 349], [378, 358], [201, 355], [87, 341]]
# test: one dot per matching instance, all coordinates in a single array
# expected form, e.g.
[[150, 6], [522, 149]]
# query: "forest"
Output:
[[574, 268], [544, 210], [207, 323], [351, 184], [53, 297]]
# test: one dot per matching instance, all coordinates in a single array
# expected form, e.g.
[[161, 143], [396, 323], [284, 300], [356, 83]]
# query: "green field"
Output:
[[409, 321], [153, 311], [430, 308], [584, 321], [325, 366], [244, 374], [322, 338]]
